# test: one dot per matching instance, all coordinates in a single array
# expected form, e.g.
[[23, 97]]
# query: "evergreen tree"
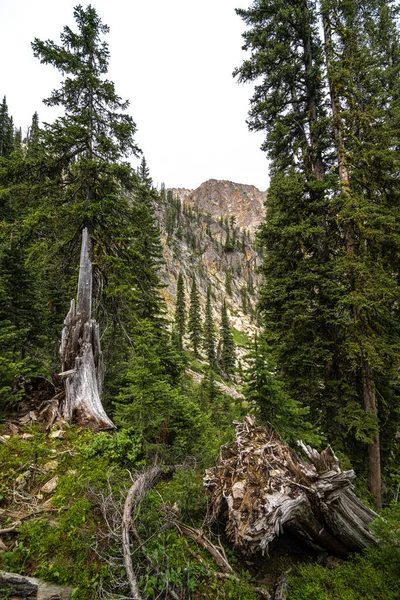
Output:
[[329, 277], [87, 145], [17, 139], [195, 328], [266, 393], [90, 182], [228, 282], [180, 312], [6, 131], [362, 57], [145, 257], [209, 332], [228, 358], [144, 173]]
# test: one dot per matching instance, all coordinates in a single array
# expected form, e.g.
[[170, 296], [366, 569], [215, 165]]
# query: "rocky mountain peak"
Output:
[[222, 198]]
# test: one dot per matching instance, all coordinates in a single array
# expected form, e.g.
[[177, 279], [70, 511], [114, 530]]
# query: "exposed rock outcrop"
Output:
[[226, 198]]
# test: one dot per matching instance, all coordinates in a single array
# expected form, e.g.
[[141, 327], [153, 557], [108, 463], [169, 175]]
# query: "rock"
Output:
[[50, 486], [50, 466], [227, 199], [30, 588], [27, 436], [58, 433], [23, 478], [16, 586], [11, 428]]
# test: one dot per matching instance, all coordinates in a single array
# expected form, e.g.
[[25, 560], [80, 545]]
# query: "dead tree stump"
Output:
[[262, 488], [81, 356]]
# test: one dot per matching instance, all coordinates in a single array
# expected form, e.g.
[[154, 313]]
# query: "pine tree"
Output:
[[228, 358], [209, 332], [145, 257], [329, 277], [195, 328], [89, 180], [228, 282], [266, 392], [6, 131], [87, 145], [180, 312], [144, 173]]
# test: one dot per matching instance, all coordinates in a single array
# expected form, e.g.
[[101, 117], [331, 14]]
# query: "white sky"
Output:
[[173, 60]]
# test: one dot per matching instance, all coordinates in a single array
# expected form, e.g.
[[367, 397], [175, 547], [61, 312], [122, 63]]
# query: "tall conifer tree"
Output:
[[86, 147], [195, 327], [209, 332], [180, 312], [6, 130], [332, 226], [228, 358]]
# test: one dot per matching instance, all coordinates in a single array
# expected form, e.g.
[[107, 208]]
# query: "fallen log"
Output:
[[261, 488]]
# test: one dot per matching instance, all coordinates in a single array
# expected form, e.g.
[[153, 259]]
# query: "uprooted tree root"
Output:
[[261, 488]]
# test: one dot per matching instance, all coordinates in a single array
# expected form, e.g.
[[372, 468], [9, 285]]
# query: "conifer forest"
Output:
[[196, 403]]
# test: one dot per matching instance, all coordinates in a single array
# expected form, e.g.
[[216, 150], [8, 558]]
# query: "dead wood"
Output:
[[198, 536], [81, 355], [77, 397], [10, 529], [261, 488], [136, 493], [281, 588]]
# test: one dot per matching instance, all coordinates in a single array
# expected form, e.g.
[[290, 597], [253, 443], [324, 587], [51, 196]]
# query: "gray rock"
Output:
[[19, 587]]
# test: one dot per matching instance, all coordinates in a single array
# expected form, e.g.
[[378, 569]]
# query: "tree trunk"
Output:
[[82, 359], [262, 488], [374, 459]]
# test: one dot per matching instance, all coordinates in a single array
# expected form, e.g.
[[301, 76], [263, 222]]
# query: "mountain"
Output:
[[225, 198], [209, 232]]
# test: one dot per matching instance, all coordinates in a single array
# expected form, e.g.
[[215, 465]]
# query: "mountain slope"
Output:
[[209, 233]]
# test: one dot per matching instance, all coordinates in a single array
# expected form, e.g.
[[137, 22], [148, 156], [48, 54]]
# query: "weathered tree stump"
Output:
[[262, 488], [82, 359]]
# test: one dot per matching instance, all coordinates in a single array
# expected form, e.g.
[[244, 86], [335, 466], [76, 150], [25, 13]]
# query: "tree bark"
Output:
[[82, 359], [374, 458]]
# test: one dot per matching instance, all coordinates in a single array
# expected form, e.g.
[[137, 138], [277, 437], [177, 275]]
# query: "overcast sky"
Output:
[[173, 60]]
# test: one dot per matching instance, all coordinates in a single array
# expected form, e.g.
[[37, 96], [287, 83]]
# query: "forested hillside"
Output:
[[163, 352]]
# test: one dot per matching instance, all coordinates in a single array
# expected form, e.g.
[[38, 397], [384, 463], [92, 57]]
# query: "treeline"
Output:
[[327, 96]]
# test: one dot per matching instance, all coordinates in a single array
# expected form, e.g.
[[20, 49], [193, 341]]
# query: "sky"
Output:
[[173, 61]]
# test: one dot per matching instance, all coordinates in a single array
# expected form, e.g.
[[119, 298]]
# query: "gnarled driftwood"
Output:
[[262, 488]]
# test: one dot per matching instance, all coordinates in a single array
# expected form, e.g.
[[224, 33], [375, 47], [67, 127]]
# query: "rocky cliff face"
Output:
[[209, 233], [225, 198]]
